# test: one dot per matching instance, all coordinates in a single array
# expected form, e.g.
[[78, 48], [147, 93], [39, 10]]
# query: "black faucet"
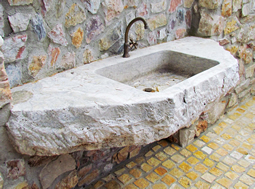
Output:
[[126, 44]]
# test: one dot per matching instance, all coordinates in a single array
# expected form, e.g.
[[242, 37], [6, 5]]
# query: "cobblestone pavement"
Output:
[[222, 157]]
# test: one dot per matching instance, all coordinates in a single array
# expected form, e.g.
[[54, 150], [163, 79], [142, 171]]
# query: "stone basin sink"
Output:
[[103, 105]]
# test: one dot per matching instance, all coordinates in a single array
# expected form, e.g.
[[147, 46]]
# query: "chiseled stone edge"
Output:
[[138, 123]]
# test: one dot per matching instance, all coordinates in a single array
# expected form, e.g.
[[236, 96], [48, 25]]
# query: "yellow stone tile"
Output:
[[241, 185], [234, 142], [148, 154], [136, 173], [201, 168], [222, 166], [168, 164], [163, 143], [249, 115], [152, 177], [240, 110], [185, 167], [146, 167], [200, 155], [140, 160], [175, 147], [237, 128], [215, 157], [176, 172], [242, 151], [177, 158], [251, 140], [231, 175], [223, 124], [249, 103], [185, 182], [247, 179], [234, 116], [205, 139], [98, 184], [141, 183], [218, 129], [169, 150], [244, 163], [153, 162], [222, 152], [226, 136], [225, 182], [161, 171], [191, 148], [130, 186], [159, 185], [252, 125], [156, 148], [202, 185], [216, 171], [185, 153], [208, 162], [208, 177], [244, 107], [251, 172], [228, 147], [213, 145], [192, 175], [198, 143], [168, 180], [131, 165], [112, 184], [161, 156], [119, 172], [125, 178], [247, 145], [192, 160]]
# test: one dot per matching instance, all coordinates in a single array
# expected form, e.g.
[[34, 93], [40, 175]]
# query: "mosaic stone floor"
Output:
[[222, 157]]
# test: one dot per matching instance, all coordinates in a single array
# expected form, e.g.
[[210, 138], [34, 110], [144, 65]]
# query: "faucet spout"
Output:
[[126, 44]]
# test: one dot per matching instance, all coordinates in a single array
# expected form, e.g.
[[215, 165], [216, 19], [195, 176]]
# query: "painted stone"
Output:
[[74, 16], [92, 5], [68, 61], [210, 24], [39, 29], [19, 2], [210, 4], [112, 8], [15, 168], [87, 56], [53, 53], [56, 168], [68, 182], [14, 48], [231, 26], [226, 9], [94, 27], [180, 33], [158, 7], [36, 64], [60, 6], [57, 35], [142, 10], [77, 37], [19, 21], [237, 4], [1, 21], [188, 3], [157, 21], [174, 4], [109, 39]]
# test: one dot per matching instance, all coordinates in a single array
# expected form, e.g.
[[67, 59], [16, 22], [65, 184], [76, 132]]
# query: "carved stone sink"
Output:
[[97, 105]]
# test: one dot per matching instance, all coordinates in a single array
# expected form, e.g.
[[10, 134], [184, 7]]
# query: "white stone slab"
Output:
[[81, 110]]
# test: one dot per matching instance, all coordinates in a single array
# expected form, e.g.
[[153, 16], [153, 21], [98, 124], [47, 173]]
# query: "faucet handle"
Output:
[[133, 45]]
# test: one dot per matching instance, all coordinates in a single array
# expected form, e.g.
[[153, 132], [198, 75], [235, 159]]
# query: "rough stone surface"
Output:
[[14, 48], [38, 26], [174, 4], [35, 64], [186, 136], [68, 182], [158, 7], [246, 9], [74, 122], [231, 26], [19, 21], [210, 4], [20, 2], [92, 5], [51, 171], [246, 34], [94, 27], [245, 54], [216, 111], [57, 35], [74, 16], [77, 37], [237, 4], [87, 56], [188, 3], [112, 8], [142, 10], [68, 61], [226, 8], [157, 21], [1, 21], [1, 181], [15, 168]]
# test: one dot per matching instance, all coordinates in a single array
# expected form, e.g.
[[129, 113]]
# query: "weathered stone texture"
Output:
[[15, 168], [38, 26], [249, 71], [245, 54], [158, 7], [157, 21], [20, 2], [112, 8], [226, 8], [68, 182], [35, 64], [237, 4], [142, 10], [57, 35], [94, 27], [53, 53], [51, 171], [1, 181], [89, 178], [210, 4], [19, 21], [68, 61], [92, 5], [231, 26], [60, 6], [188, 3], [14, 48], [180, 33], [87, 56], [77, 37], [246, 33], [246, 9], [174, 4], [1, 21], [74, 16]]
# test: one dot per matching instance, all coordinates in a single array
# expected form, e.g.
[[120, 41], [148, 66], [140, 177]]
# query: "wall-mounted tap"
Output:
[[126, 44]]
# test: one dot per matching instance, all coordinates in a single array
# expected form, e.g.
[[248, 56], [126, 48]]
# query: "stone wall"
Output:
[[43, 37]]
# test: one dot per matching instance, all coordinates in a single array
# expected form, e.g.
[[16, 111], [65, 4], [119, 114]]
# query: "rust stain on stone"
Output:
[[77, 38]]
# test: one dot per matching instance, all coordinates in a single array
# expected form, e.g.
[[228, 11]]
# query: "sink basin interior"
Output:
[[158, 70]]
